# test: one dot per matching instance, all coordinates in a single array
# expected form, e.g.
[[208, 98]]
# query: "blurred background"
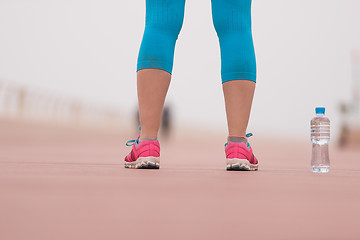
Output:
[[68, 104], [75, 61]]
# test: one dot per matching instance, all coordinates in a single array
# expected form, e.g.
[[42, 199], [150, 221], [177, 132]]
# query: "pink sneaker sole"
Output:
[[144, 163], [236, 164]]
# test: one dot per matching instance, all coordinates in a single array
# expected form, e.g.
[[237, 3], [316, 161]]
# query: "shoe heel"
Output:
[[236, 164], [148, 163]]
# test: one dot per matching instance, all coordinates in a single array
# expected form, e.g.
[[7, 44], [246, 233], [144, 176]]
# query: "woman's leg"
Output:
[[152, 86], [238, 100], [232, 21], [164, 19]]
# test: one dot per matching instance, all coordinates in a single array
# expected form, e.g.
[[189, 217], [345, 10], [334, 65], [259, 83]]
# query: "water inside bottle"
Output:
[[320, 137]]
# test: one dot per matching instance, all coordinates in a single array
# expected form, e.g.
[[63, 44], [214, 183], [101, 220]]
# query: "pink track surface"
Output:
[[62, 184]]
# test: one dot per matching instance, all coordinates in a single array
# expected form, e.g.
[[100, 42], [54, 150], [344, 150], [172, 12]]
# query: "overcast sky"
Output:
[[88, 49]]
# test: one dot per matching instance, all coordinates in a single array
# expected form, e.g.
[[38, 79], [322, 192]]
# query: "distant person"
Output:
[[343, 139], [165, 126], [164, 19]]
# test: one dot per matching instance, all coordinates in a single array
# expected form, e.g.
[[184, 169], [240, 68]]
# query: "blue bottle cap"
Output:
[[320, 110]]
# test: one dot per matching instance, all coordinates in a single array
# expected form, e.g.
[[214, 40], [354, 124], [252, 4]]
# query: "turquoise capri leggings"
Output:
[[232, 22]]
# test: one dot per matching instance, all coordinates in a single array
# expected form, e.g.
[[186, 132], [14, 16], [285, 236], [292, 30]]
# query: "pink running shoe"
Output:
[[239, 155], [144, 154]]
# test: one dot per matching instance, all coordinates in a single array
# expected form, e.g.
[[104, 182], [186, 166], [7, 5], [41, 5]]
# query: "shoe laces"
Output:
[[248, 135], [134, 141]]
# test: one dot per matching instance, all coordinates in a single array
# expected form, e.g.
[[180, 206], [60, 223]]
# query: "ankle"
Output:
[[237, 134], [147, 137]]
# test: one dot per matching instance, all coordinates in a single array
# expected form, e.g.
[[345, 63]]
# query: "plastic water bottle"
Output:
[[320, 137]]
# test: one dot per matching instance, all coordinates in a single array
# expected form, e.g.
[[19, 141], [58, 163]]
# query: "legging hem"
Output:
[[154, 65], [238, 76]]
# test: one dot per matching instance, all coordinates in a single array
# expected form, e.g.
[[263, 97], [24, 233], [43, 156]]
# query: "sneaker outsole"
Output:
[[236, 164], [144, 163]]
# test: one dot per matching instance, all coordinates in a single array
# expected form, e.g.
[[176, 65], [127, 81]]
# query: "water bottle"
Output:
[[320, 137]]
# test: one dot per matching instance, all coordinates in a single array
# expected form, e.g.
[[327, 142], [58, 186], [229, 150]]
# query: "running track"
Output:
[[62, 183]]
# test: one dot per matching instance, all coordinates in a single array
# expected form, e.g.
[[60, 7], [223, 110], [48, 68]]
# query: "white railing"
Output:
[[26, 104]]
